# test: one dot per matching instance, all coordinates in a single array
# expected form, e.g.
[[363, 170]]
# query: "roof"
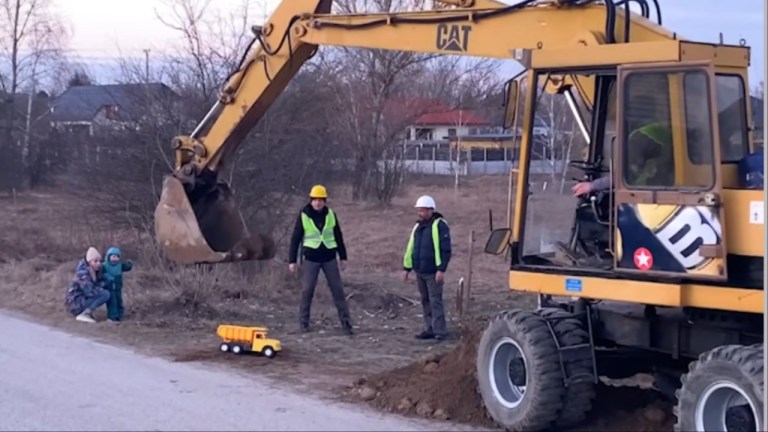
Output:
[[454, 117], [82, 103], [430, 112]]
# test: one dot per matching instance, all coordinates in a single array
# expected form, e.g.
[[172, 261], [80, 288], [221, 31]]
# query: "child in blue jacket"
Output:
[[113, 270]]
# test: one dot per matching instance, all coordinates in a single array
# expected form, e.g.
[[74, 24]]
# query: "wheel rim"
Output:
[[509, 372], [236, 349], [268, 352], [725, 407], [224, 347]]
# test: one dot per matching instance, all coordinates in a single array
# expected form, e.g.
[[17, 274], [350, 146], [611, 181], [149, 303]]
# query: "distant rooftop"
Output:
[[82, 103]]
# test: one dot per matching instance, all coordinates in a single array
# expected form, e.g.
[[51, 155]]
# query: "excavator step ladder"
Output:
[[575, 353]]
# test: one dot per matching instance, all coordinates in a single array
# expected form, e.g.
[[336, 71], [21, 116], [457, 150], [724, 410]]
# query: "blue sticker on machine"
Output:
[[573, 285]]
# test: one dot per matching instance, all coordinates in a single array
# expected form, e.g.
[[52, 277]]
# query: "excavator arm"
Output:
[[196, 220]]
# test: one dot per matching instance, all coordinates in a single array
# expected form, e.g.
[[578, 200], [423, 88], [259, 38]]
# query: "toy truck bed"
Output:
[[233, 333]]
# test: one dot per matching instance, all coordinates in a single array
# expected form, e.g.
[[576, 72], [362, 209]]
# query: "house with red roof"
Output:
[[426, 119], [441, 125]]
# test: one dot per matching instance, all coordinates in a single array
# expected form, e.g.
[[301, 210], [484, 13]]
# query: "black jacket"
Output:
[[424, 250], [322, 253]]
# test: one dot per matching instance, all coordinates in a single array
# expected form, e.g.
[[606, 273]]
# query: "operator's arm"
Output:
[[601, 184], [298, 234], [340, 247], [444, 234]]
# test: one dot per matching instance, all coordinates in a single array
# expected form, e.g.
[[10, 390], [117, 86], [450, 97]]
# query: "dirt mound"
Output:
[[443, 386], [437, 386]]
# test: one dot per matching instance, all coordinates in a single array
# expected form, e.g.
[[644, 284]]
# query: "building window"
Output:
[[423, 134]]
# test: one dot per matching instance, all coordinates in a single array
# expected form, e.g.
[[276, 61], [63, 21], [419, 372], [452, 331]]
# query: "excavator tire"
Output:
[[526, 336], [577, 401], [723, 390]]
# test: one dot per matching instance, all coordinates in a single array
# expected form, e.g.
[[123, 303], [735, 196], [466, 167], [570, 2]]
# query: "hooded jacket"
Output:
[[83, 288], [114, 272], [322, 253], [423, 248]]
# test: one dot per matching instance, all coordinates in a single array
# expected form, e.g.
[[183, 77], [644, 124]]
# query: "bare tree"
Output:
[[377, 93], [759, 90], [31, 38]]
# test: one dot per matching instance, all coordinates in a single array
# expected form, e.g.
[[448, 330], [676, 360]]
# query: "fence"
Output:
[[438, 158]]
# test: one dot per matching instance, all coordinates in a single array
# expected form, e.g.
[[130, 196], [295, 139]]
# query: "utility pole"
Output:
[[146, 65]]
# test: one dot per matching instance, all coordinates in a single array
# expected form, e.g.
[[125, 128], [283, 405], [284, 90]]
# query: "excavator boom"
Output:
[[196, 220]]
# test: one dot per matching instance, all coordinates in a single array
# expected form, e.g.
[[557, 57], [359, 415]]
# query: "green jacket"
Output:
[[114, 272], [658, 170]]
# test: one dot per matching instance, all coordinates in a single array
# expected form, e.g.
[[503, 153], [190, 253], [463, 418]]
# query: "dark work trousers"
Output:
[[432, 302], [310, 271]]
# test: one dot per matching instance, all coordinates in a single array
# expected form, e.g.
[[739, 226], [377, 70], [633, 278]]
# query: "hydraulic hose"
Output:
[[610, 22]]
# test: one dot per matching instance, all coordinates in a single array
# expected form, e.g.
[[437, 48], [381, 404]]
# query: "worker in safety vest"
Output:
[[650, 158], [427, 255], [318, 232]]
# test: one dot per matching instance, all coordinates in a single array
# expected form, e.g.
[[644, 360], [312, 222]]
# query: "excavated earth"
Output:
[[444, 387]]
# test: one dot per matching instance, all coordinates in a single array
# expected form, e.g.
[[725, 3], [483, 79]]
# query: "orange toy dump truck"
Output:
[[239, 339]]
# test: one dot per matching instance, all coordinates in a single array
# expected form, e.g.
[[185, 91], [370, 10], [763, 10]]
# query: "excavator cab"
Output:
[[665, 170]]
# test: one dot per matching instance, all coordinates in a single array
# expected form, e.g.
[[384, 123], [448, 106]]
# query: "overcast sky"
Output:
[[104, 28]]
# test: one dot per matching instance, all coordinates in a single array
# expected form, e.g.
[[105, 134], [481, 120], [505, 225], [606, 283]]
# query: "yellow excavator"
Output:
[[661, 270]]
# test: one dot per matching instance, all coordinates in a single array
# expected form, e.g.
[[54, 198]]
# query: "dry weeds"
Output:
[[173, 311]]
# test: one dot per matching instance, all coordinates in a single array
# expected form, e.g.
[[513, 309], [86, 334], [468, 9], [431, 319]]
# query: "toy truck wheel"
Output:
[[269, 352], [237, 349], [224, 347], [518, 372], [723, 390]]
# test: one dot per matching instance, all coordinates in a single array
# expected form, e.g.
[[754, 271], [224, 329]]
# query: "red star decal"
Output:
[[643, 259]]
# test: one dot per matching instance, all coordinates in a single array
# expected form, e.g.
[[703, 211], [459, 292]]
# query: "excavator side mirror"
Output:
[[510, 103], [498, 241]]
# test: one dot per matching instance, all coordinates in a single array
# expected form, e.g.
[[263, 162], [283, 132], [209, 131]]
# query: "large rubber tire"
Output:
[[540, 405], [577, 401], [723, 368]]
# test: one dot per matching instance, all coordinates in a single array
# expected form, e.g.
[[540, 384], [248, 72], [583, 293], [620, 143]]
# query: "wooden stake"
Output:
[[468, 291]]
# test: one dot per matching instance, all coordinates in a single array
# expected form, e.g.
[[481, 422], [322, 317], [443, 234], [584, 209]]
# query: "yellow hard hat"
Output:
[[318, 191]]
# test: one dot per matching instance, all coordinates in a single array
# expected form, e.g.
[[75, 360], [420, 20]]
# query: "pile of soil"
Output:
[[444, 387], [440, 386]]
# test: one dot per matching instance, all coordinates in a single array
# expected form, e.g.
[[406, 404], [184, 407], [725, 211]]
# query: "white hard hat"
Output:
[[425, 201]]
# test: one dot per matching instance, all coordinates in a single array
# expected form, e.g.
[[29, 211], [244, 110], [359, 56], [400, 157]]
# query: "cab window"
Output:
[[732, 117], [667, 136]]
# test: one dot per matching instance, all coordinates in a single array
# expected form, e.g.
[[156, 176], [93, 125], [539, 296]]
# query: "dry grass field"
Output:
[[173, 312]]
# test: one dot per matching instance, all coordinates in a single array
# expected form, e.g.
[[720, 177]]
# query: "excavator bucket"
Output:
[[208, 229]]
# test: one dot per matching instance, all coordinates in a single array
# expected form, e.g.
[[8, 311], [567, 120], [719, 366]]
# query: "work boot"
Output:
[[426, 334], [440, 337], [346, 327], [304, 327]]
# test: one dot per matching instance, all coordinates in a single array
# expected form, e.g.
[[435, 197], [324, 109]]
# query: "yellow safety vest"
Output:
[[313, 237], [408, 257], [655, 171]]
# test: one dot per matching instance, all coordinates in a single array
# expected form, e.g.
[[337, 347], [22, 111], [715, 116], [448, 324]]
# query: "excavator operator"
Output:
[[649, 156]]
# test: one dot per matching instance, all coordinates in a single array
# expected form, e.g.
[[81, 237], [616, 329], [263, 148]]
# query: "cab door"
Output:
[[669, 217]]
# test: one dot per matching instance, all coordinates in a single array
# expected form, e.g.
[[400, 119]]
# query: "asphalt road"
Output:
[[50, 380]]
